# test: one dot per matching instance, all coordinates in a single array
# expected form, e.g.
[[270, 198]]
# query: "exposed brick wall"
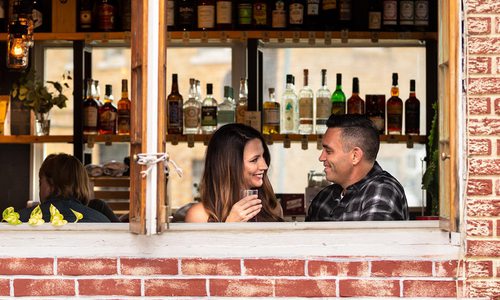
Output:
[[95, 278], [483, 186]]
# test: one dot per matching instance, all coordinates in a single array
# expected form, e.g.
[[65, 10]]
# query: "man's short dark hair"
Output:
[[357, 131]]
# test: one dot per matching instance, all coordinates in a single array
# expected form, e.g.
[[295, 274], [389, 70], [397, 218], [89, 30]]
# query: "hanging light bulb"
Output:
[[18, 48]]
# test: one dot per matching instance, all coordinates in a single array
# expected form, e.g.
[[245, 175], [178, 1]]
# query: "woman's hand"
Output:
[[245, 209]]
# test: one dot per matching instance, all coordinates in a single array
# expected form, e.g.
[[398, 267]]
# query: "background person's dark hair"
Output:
[[357, 131]]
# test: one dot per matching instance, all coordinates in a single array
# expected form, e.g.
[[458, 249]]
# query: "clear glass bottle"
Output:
[[412, 112], [124, 110], [355, 105], [90, 111], [338, 98], [96, 93], [394, 109], [290, 114], [242, 105], [174, 108], [209, 112], [271, 114], [323, 104], [226, 109], [306, 100], [192, 110], [108, 113]]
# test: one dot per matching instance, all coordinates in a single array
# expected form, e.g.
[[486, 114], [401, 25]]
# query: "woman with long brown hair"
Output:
[[237, 159]]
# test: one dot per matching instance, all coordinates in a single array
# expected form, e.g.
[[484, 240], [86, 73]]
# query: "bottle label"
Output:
[[209, 116], [206, 14], [107, 121], [422, 12], [106, 17], [288, 117], [225, 117], [306, 108], [186, 15], [279, 19], [329, 4], [245, 14], [240, 113], [296, 14], [272, 116], [224, 12], [174, 114], [85, 19], [323, 107], [338, 108], [192, 117], [260, 14], [374, 20], [90, 116], [345, 10], [123, 121], [170, 13], [406, 11], [313, 7], [390, 12]]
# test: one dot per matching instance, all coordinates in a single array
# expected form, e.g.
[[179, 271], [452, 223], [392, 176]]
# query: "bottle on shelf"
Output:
[[290, 114], [390, 15], [323, 104], [375, 111], [242, 105], [338, 98], [306, 106], [271, 114], [374, 15], [106, 15], [345, 14], [244, 14], [124, 110], [329, 14], [412, 112], [85, 16], [421, 15], [406, 15], [96, 92], [108, 113], [296, 14], [186, 15], [261, 14], [226, 109], [278, 15], [90, 111], [206, 14], [192, 110], [394, 109], [126, 15], [312, 17], [170, 15], [3, 15], [355, 105], [209, 112], [224, 14], [174, 108]]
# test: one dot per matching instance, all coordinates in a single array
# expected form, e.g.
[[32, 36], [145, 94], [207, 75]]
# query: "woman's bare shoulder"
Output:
[[196, 214]]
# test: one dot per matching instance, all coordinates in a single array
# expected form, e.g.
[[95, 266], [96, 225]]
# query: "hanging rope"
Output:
[[151, 159]]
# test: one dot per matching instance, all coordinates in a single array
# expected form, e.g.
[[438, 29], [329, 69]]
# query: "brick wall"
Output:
[[483, 188], [234, 277]]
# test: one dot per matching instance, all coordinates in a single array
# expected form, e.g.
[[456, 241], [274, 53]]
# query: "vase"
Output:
[[42, 123]]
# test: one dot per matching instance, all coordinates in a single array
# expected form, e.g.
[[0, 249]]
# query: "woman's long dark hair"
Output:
[[222, 178]]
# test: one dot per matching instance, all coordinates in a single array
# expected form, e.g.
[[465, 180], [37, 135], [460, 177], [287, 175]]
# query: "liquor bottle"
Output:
[[108, 113], [96, 92], [323, 105], [306, 108], [406, 14], [329, 14], [90, 111], [338, 98], [390, 15], [345, 14], [209, 112], [375, 111], [126, 15], [244, 14], [3, 15], [124, 110], [278, 19], [394, 109], [312, 14], [290, 114], [374, 16], [170, 15], [186, 15], [106, 15], [226, 109], [174, 108], [271, 114], [355, 105], [421, 15], [198, 91], [412, 112], [206, 14], [296, 14], [261, 14], [192, 110], [242, 105], [224, 12], [85, 13]]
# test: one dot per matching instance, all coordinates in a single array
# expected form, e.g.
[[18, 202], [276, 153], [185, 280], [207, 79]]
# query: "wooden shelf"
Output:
[[78, 36], [30, 139]]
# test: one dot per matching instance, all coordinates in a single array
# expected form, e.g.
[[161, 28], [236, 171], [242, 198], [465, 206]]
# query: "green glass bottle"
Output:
[[338, 98]]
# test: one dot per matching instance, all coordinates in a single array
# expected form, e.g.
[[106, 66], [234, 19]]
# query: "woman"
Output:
[[64, 183], [237, 159]]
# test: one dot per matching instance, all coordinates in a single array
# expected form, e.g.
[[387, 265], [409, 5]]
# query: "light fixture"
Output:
[[18, 48]]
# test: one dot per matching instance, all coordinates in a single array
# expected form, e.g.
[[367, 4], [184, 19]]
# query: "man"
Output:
[[361, 190]]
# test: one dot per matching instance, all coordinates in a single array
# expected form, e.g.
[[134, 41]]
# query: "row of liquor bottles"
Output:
[[298, 112], [388, 15], [103, 116]]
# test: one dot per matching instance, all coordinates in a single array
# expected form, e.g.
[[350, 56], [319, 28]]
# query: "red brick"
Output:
[[479, 147], [305, 288], [479, 105], [484, 85], [148, 266], [479, 65], [486, 126], [479, 187], [340, 268], [497, 100], [483, 289], [483, 7], [368, 288], [43, 287], [83, 266], [483, 248], [497, 28], [389, 268], [176, 287], [110, 287], [26, 266], [274, 267], [498, 263], [479, 227], [429, 288], [478, 269], [4, 287], [479, 25], [446, 268], [484, 166], [483, 207], [211, 267], [498, 234], [241, 287], [497, 187]]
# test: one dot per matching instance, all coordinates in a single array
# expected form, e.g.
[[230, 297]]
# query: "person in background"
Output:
[[237, 159], [64, 183], [361, 190]]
